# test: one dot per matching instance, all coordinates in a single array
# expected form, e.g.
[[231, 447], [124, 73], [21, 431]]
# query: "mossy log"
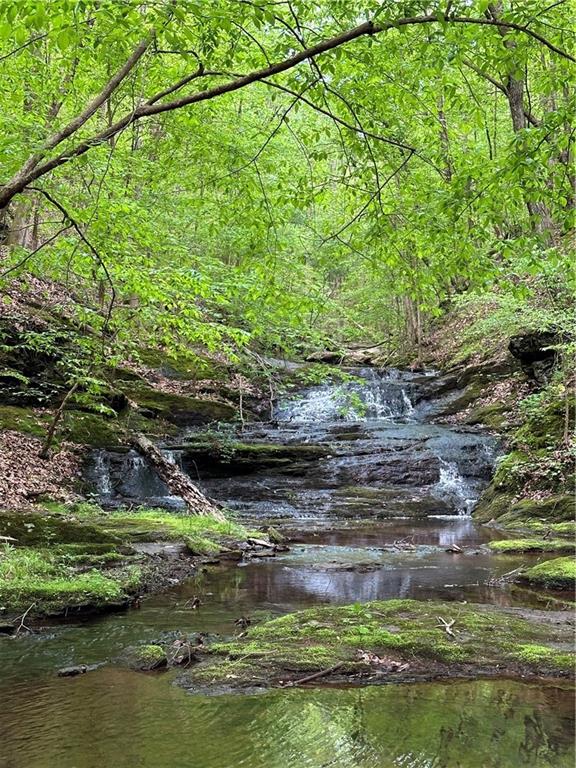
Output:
[[178, 483]]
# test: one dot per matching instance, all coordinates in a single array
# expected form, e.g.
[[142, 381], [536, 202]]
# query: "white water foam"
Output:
[[453, 487], [102, 474], [377, 397]]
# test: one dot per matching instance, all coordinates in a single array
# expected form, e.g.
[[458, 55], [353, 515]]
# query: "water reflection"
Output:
[[130, 720]]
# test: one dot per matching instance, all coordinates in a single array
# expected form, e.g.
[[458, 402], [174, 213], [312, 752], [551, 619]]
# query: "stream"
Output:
[[370, 518]]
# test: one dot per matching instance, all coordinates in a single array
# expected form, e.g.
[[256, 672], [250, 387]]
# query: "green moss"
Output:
[[91, 429], [513, 513], [177, 409], [144, 657], [201, 545], [543, 429], [542, 655], [567, 528], [203, 535], [30, 576], [33, 528], [494, 416], [404, 630], [183, 366], [559, 573], [23, 420], [212, 452], [532, 545]]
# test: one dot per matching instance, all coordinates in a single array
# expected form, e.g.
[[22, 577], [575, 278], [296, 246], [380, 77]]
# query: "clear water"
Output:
[[372, 520]]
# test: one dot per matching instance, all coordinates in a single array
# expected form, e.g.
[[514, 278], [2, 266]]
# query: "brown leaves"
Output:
[[24, 476], [385, 663]]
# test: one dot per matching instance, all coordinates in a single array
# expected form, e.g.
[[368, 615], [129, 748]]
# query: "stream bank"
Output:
[[374, 493]]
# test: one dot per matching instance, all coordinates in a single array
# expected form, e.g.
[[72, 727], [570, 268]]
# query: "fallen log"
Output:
[[178, 482]]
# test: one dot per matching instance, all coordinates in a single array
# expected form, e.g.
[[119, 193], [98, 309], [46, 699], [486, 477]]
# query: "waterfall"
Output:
[[101, 473], [452, 487], [408, 407], [371, 395]]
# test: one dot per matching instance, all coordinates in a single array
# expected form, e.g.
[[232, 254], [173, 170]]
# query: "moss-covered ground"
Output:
[[50, 580], [397, 632], [78, 555], [559, 573], [504, 546]]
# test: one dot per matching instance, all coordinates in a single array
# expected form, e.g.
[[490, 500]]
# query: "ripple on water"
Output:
[[113, 718]]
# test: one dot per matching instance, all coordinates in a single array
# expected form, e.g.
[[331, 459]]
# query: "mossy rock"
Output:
[[101, 431], [23, 420], [144, 658], [34, 529], [546, 428], [214, 456], [177, 409], [559, 573], [511, 546], [181, 366], [400, 632], [512, 513], [493, 416]]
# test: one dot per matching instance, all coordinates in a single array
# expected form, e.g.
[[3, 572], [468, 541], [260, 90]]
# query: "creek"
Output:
[[370, 517]]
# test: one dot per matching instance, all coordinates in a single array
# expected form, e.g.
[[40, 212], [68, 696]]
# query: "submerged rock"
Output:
[[80, 669]]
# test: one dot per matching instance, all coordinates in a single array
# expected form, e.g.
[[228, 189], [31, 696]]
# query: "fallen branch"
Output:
[[309, 678], [446, 625], [505, 577], [178, 482], [22, 618], [260, 543]]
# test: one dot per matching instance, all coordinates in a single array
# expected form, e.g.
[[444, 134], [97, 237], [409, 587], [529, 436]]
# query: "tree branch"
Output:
[[32, 171], [90, 247], [501, 87]]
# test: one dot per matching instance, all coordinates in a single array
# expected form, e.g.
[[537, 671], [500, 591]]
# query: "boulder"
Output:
[[537, 359]]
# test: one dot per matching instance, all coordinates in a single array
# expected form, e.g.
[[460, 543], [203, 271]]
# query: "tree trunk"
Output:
[[540, 216], [178, 483]]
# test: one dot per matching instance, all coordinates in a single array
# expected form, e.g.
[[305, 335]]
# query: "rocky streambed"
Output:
[[387, 579]]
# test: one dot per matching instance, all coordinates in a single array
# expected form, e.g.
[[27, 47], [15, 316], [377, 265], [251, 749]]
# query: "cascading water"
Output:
[[100, 473], [369, 394], [453, 487]]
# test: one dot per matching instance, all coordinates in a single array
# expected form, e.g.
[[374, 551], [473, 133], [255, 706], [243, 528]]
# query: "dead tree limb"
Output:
[[446, 625], [178, 483], [315, 676]]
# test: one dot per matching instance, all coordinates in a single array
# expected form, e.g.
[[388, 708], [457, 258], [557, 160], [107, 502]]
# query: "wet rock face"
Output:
[[372, 433], [533, 351]]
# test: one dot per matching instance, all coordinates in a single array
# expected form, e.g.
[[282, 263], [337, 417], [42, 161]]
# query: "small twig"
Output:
[[22, 618], [34, 252], [309, 678]]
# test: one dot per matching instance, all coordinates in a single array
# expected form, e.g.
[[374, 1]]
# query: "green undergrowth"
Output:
[[407, 631], [559, 573], [48, 580], [156, 523], [567, 528], [532, 545], [65, 555]]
